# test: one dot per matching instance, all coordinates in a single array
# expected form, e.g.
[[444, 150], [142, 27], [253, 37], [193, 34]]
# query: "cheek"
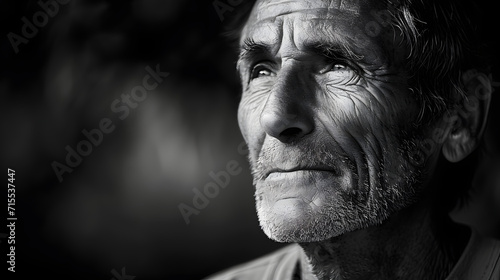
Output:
[[243, 115], [368, 122], [249, 111], [370, 107]]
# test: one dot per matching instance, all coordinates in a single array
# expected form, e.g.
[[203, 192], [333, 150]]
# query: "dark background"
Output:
[[119, 207]]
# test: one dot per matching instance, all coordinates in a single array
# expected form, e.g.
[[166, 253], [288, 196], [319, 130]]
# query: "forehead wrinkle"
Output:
[[331, 36], [320, 30], [288, 37], [319, 26], [280, 28], [320, 13], [270, 8], [272, 35]]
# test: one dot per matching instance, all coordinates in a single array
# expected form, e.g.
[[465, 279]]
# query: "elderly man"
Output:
[[362, 118]]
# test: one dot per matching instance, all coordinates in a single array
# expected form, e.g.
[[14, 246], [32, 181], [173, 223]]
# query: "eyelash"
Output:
[[340, 65]]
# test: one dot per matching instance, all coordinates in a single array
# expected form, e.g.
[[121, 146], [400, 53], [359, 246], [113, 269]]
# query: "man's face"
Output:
[[328, 117]]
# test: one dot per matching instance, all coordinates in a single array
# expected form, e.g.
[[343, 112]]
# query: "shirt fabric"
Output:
[[479, 261]]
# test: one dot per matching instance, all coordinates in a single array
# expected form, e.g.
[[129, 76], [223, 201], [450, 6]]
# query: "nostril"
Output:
[[292, 131], [277, 122]]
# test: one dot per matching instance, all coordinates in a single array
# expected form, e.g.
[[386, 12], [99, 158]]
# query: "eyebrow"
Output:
[[332, 51], [251, 49]]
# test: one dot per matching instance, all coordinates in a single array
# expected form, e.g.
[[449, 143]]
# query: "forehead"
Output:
[[341, 22], [268, 9]]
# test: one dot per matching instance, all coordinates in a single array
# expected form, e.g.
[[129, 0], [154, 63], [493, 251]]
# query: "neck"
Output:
[[412, 244]]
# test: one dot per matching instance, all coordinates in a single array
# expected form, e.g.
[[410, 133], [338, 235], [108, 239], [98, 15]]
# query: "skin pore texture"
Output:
[[332, 129]]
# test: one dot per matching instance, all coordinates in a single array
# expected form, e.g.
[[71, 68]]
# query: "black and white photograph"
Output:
[[250, 139]]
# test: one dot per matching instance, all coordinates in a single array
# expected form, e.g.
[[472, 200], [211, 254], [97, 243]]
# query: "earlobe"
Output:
[[464, 134]]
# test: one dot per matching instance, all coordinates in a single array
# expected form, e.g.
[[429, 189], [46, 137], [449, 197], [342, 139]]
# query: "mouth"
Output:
[[301, 168]]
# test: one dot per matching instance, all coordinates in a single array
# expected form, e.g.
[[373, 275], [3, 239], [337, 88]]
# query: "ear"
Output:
[[469, 118]]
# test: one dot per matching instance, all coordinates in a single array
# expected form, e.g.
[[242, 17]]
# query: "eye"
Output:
[[337, 67], [261, 70], [334, 66]]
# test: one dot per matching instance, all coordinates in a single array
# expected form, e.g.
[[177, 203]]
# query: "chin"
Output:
[[296, 223], [294, 220]]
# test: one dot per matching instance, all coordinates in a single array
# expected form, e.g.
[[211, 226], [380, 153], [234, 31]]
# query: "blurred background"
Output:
[[119, 208]]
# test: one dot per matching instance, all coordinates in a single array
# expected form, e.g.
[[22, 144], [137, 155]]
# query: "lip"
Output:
[[300, 168]]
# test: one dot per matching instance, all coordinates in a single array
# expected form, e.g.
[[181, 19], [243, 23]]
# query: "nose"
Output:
[[287, 115]]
